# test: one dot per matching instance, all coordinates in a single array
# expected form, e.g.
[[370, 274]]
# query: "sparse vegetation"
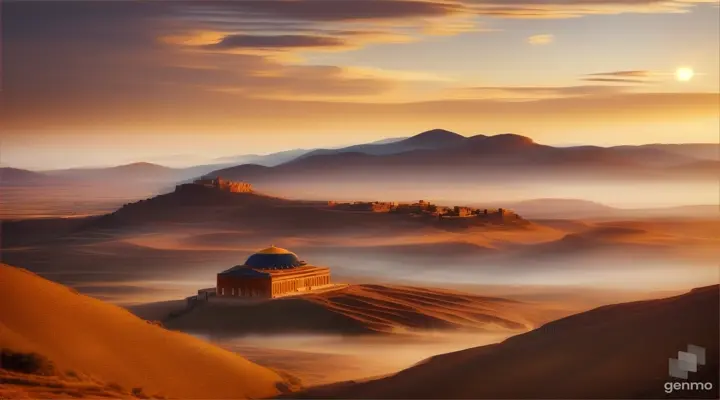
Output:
[[26, 363], [115, 386], [138, 392]]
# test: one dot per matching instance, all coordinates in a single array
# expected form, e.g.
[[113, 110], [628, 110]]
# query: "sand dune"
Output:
[[17, 385], [80, 334], [615, 351], [359, 309]]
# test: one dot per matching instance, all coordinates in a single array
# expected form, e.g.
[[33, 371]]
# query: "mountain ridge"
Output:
[[446, 150]]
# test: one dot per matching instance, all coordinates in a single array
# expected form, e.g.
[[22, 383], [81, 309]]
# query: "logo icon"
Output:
[[687, 361]]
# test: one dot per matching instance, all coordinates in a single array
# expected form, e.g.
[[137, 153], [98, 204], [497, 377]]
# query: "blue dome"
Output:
[[273, 258]]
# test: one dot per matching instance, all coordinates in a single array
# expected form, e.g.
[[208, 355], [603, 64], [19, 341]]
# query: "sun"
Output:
[[684, 74]]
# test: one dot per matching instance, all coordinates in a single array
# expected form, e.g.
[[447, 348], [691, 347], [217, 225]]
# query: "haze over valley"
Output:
[[359, 199], [146, 237]]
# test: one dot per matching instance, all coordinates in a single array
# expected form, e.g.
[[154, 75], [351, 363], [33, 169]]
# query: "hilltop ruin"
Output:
[[218, 184], [425, 208]]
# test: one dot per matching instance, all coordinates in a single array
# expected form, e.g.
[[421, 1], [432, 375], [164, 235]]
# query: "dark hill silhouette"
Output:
[[142, 173], [262, 213], [211, 208], [135, 171], [280, 157], [20, 177], [618, 351], [268, 160], [432, 139], [437, 153]]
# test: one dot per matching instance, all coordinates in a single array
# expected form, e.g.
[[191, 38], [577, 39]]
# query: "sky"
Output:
[[102, 82]]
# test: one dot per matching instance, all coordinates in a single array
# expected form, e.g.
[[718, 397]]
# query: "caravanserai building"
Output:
[[270, 273]]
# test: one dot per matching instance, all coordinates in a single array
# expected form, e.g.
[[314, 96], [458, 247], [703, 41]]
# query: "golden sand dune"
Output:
[[362, 309], [615, 351], [88, 337], [18, 385]]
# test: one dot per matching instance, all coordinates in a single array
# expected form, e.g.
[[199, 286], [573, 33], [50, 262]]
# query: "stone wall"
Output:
[[225, 185], [233, 187], [375, 206]]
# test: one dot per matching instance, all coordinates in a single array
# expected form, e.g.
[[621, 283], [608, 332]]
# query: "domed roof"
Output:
[[274, 250], [273, 258]]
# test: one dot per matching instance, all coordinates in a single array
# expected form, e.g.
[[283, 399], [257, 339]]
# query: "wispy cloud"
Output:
[[535, 93], [616, 80], [632, 76], [214, 54], [541, 39], [636, 73]]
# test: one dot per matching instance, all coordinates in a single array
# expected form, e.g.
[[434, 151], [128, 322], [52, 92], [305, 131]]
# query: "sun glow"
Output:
[[684, 74]]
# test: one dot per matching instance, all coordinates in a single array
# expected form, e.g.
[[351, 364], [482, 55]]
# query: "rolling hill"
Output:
[[438, 153], [84, 337], [429, 140], [22, 177], [142, 172], [361, 309], [617, 351]]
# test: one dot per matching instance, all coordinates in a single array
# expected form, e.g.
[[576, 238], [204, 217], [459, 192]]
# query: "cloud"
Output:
[[556, 9], [325, 10], [273, 45], [379, 10], [630, 76], [213, 56], [616, 80], [276, 42], [637, 73], [534, 93], [541, 39]]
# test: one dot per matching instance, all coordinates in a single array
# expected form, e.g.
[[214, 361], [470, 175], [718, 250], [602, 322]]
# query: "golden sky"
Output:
[[149, 79]]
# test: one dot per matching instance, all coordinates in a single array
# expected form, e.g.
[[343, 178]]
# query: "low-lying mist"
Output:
[[348, 357], [496, 191]]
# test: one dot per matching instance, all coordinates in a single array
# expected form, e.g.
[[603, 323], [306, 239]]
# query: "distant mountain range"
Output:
[[430, 140], [15, 177], [443, 153], [437, 155], [141, 172], [273, 159]]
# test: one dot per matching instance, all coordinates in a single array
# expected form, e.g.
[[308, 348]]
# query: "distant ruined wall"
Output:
[[377, 206], [423, 207], [234, 187], [224, 185]]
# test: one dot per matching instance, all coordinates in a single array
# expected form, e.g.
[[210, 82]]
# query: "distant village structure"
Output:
[[218, 184], [225, 185], [424, 208], [269, 273]]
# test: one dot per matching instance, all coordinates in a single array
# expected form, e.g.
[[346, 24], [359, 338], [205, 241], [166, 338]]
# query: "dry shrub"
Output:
[[138, 392], [26, 363], [116, 387]]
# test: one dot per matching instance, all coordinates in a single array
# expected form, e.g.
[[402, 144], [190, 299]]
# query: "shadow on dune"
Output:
[[618, 351]]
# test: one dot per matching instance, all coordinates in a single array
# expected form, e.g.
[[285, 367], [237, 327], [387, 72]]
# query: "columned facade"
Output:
[[269, 273]]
